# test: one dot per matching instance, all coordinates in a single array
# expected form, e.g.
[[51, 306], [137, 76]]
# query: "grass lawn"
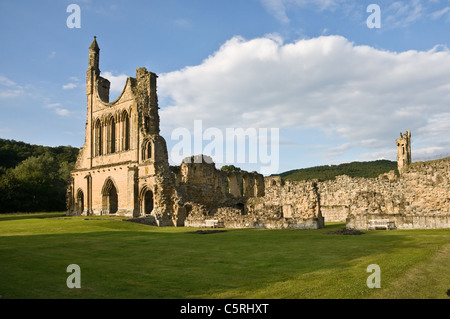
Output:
[[120, 259]]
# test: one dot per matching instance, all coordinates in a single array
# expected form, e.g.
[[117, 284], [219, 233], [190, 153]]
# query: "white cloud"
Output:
[[58, 110], [337, 151], [279, 8], [359, 94], [69, 86], [62, 112], [117, 81], [10, 93], [438, 14], [9, 88], [394, 14], [74, 83], [402, 13], [437, 126], [52, 105], [4, 81]]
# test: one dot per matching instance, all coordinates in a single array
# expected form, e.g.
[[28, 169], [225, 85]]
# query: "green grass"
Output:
[[120, 259]]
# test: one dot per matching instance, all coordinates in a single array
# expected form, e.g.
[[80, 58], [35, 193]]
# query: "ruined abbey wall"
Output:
[[241, 199], [418, 198], [289, 204]]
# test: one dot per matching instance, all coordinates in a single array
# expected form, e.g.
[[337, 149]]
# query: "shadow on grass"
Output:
[[19, 216]]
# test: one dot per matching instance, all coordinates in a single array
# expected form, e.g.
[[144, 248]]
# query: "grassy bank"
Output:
[[121, 259]]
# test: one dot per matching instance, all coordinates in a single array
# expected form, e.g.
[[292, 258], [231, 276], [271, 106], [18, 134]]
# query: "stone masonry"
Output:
[[123, 169], [419, 198]]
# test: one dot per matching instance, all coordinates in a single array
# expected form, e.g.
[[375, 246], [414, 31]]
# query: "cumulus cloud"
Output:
[[117, 81], [360, 94]]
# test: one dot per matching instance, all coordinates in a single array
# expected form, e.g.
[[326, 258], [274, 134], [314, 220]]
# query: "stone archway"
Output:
[[80, 202], [147, 201], [109, 198]]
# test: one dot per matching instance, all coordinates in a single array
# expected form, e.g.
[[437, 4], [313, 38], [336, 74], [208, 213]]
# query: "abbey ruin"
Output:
[[123, 169]]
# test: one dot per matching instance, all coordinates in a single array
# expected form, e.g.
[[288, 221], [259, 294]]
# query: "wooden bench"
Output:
[[213, 223], [381, 224]]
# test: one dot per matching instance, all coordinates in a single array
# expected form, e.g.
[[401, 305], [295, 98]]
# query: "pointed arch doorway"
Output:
[[80, 202], [147, 201], [109, 197]]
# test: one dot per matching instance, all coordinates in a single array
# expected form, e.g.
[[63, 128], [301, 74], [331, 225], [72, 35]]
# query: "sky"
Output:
[[309, 82]]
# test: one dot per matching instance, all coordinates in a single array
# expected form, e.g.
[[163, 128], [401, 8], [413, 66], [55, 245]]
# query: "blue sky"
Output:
[[337, 90]]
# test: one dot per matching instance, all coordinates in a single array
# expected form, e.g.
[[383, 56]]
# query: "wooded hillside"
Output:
[[34, 177], [353, 169]]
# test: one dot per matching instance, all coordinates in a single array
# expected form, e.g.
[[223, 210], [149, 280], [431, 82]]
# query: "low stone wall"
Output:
[[235, 218], [401, 221]]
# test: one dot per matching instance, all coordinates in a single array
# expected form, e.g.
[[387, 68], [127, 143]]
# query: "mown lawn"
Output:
[[120, 259]]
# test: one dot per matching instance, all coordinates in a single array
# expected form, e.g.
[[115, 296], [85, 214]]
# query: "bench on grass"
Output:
[[381, 224], [213, 223]]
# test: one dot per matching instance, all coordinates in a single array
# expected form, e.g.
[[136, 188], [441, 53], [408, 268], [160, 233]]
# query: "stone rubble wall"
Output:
[[246, 200], [419, 198], [336, 195], [401, 221]]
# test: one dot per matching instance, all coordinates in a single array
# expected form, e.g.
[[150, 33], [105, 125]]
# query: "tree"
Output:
[[230, 168], [36, 184]]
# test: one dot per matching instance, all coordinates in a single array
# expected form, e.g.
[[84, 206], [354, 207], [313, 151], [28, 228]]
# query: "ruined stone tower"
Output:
[[403, 151], [123, 158]]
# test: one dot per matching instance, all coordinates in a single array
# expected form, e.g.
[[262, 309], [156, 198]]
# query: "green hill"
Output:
[[354, 169], [13, 152]]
